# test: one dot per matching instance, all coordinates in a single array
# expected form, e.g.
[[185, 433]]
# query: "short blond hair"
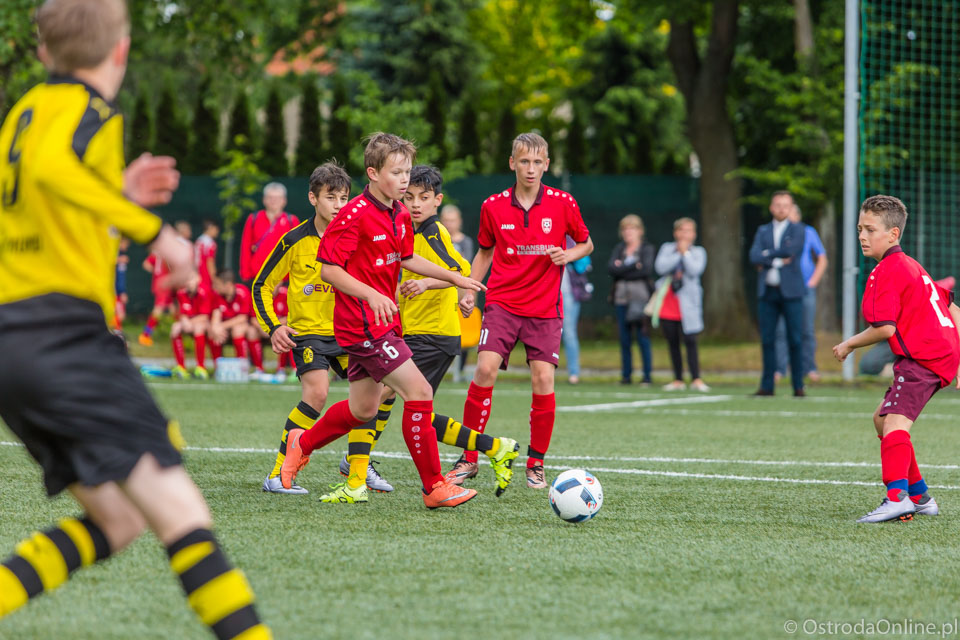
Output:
[[679, 222], [79, 34], [381, 146], [531, 142], [631, 220]]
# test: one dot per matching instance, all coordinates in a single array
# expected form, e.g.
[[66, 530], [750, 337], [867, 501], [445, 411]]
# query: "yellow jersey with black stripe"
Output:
[[309, 299], [434, 312], [62, 208]]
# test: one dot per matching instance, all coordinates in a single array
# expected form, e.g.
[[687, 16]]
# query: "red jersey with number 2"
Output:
[[368, 239], [523, 279], [901, 293]]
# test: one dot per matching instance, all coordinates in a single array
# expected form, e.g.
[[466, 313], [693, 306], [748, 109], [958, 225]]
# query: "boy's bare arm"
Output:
[[870, 335], [419, 264], [383, 307]]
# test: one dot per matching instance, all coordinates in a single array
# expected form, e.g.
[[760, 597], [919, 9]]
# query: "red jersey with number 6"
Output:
[[901, 293], [523, 279], [368, 239]]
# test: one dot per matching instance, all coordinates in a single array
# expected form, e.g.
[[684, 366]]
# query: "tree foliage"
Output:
[[172, 137], [274, 141], [140, 135], [310, 151], [204, 154], [240, 136]]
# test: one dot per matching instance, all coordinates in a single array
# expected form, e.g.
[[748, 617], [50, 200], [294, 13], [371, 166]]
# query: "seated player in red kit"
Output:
[[919, 320], [362, 252], [163, 298], [195, 302], [285, 359], [231, 315]]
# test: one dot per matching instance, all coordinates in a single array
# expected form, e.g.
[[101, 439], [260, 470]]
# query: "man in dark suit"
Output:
[[780, 287]]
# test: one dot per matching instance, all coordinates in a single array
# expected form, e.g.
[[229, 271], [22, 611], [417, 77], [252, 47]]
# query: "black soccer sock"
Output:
[[45, 560], [383, 416], [451, 432], [219, 594]]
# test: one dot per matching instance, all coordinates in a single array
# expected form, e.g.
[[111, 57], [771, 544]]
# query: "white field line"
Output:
[[639, 404], [860, 415], [640, 472]]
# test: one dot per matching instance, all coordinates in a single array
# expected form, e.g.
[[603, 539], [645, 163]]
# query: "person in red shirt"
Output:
[[284, 359], [195, 304], [162, 297], [205, 253], [263, 230], [362, 252], [919, 320], [231, 315], [522, 236]]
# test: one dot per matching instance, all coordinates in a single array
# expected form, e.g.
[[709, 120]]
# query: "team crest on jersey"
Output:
[[379, 262], [308, 289], [546, 224], [307, 355]]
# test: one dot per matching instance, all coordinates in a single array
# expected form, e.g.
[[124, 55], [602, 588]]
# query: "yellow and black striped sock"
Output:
[[217, 592], [45, 560], [360, 441], [451, 432], [383, 417], [303, 416]]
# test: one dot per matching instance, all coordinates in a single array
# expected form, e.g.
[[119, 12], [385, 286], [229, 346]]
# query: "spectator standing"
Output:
[[452, 220], [776, 252], [264, 229], [681, 315], [813, 264], [631, 266]]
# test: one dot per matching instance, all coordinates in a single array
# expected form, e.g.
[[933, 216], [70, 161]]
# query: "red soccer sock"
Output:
[[216, 350], [896, 453], [151, 324], [200, 347], [178, 350], [421, 439], [285, 359], [543, 412], [240, 346], [256, 353], [476, 413], [336, 422]]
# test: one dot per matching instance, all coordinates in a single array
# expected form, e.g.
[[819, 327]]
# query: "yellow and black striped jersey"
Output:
[[62, 208], [434, 312], [309, 299]]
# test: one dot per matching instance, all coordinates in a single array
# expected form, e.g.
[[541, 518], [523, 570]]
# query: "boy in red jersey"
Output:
[[195, 303], [162, 297], [232, 315], [205, 253], [919, 320], [284, 359], [523, 237], [362, 252]]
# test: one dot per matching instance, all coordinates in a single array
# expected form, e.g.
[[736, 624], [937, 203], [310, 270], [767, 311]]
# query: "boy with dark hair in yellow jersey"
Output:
[[308, 331], [68, 389]]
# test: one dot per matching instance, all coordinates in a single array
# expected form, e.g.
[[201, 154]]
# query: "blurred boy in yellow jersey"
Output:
[[68, 389]]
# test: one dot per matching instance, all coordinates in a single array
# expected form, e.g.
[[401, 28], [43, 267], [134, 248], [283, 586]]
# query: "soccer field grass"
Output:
[[724, 517]]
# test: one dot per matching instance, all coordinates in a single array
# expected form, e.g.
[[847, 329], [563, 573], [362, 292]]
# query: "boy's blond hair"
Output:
[[383, 145], [891, 211], [530, 142], [79, 34]]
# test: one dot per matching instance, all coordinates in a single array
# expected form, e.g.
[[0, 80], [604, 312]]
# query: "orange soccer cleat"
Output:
[[445, 494], [294, 461]]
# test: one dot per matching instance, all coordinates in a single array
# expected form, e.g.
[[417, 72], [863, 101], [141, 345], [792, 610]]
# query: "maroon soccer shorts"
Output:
[[377, 358], [501, 330], [913, 386]]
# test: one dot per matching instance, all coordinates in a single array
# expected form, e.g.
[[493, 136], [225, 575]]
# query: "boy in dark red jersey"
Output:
[[919, 321], [195, 302], [362, 252], [162, 297], [232, 315], [522, 236], [205, 253], [284, 359]]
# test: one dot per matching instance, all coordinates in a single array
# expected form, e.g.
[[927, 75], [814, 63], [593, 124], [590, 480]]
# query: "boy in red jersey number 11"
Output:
[[906, 308]]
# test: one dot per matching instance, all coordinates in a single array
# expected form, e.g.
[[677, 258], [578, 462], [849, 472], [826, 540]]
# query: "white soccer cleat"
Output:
[[273, 485], [928, 508], [375, 481], [892, 510]]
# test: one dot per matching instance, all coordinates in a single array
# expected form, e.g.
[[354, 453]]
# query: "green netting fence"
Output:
[[910, 122]]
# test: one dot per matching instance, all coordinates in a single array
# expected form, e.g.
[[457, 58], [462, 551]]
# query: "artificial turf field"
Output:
[[724, 517]]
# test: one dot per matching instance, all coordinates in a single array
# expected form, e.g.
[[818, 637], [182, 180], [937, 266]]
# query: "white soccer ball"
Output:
[[576, 495]]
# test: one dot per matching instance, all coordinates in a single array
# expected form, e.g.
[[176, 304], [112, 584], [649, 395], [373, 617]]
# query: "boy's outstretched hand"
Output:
[[468, 283], [841, 351], [151, 180]]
